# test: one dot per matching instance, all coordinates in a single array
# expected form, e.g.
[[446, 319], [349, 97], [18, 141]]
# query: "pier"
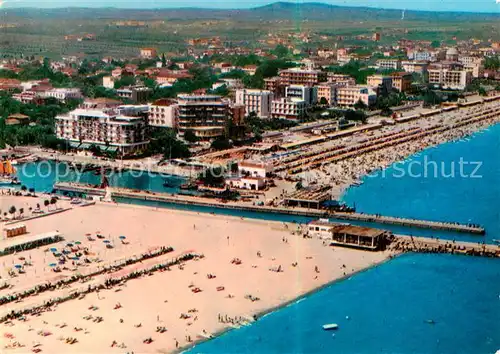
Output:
[[314, 213]]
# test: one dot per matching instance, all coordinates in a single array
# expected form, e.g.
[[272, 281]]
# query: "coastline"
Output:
[[263, 313]]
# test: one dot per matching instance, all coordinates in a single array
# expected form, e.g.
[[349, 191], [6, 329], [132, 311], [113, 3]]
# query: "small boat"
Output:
[[330, 326], [496, 241]]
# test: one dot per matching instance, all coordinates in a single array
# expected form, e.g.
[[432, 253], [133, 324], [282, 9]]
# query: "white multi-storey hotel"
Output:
[[119, 129], [258, 101]]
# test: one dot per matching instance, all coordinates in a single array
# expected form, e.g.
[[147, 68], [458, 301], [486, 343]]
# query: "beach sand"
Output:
[[160, 299]]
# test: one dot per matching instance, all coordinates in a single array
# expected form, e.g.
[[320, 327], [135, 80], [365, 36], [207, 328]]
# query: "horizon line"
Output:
[[249, 8]]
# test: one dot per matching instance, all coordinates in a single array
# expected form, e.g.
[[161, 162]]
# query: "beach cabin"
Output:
[[15, 230], [321, 228]]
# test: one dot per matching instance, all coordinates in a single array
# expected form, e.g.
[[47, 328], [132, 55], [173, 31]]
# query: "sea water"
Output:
[[434, 196], [413, 304], [42, 176], [416, 303]]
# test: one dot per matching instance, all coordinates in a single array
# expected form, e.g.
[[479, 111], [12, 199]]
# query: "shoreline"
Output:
[[413, 155], [257, 316]]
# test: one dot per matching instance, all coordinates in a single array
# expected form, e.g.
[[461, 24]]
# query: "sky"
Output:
[[430, 5]]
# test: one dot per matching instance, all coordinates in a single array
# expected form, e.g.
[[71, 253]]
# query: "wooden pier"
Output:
[[315, 213]]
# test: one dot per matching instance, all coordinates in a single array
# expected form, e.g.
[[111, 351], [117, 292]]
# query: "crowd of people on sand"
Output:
[[108, 283], [236, 320], [346, 172], [49, 286], [412, 245]]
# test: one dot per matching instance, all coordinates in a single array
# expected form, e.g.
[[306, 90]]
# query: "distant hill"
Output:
[[274, 11]]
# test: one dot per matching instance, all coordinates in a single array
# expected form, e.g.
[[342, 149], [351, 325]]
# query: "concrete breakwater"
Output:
[[206, 202], [402, 243]]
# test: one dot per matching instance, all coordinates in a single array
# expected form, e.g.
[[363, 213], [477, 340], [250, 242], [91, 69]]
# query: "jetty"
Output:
[[213, 203], [402, 243]]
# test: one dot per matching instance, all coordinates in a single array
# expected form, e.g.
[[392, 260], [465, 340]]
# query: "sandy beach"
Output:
[[248, 267]]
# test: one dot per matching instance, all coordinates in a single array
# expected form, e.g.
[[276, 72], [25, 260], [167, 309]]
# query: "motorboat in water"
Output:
[[330, 326]]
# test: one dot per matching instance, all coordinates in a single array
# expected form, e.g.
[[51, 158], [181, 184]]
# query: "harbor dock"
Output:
[[315, 213]]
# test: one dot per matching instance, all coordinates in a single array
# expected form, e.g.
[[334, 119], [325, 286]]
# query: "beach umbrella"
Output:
[[78, 243], [18, 266], [52, 264], [122, 237], [75, 258], [106, 241], [69, 244], [53, 249]]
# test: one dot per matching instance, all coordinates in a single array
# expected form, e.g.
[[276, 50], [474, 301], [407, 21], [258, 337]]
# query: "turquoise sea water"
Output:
[[388, 309], [389, 305], [43, 175], [437, 197]]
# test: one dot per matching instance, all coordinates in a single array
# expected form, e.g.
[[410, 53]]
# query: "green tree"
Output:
[[12, 210], [190, 136], [323, 101]]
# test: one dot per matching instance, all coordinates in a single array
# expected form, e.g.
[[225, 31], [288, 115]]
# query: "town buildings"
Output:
[[163, 113], [350, 95], [148, 53], [121, 129], [205, 115], [304, 93], [297, 76], [388, 64], [257, 101], [136, 94], [450, 75], [288, 108]]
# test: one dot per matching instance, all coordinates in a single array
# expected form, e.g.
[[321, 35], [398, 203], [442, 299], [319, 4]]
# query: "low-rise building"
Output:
[[254, 169], [109, 81], [148, 53], [62, 94], [257, 101], [250, 183], [288, 108]]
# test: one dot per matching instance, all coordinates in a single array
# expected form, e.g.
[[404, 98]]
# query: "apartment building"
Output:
[[288, 108], [303, 93], [205, 115], [328, 91], [449, 75], [472, 64], [258, 101], [297, 76], [379, 82], [136, 94], [401, 81], [350, 95], [121, 129], [388, 64], [163, 113], [419, 67], [275, 85]]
